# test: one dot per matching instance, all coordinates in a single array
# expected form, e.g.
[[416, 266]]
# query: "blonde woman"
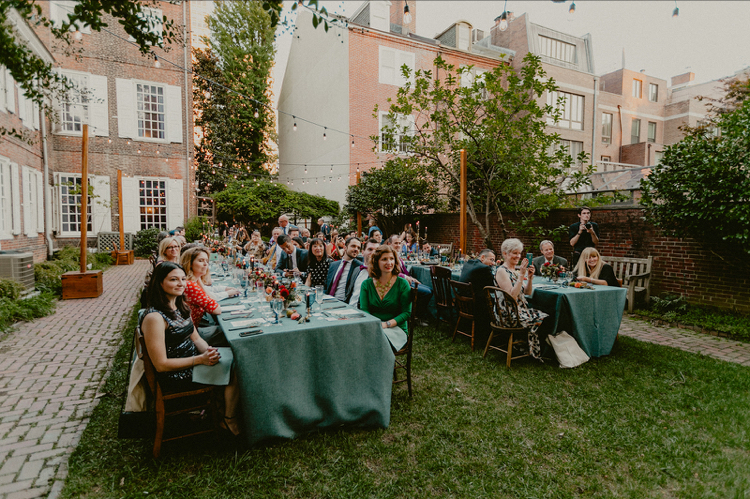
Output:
[[169, 250], [592, 269]]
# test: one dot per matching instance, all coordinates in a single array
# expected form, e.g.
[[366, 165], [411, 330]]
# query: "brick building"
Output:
[[337, 78], [139, 117]]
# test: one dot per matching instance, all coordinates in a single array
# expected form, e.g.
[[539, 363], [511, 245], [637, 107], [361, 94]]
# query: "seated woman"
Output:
[[386, 295], [510, 280], [318, 263], [592, 269], [201, 296], [173, 343], [410, 243], [256, 247], [376, 235], [240, 240], [169, 250]]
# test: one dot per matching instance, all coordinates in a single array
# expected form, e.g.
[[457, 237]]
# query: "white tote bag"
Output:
[[569, 354]]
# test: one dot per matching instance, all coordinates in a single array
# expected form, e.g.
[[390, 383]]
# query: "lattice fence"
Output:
[[106, 241]]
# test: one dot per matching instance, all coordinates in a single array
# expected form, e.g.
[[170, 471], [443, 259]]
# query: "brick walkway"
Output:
[[685, 339], [50, 372]]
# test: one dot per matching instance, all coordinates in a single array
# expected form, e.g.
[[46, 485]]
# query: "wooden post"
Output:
[[119, 210], [462, 212], [359, 215], [84, 193]]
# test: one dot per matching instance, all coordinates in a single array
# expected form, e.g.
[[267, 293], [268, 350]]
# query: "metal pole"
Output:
[[359, 215], [84, 193], [462, 213]]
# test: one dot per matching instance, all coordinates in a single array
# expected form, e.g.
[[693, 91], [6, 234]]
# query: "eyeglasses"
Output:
[[173, 247]]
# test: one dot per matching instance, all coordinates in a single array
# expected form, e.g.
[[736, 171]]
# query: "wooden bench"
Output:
[[634, 274]]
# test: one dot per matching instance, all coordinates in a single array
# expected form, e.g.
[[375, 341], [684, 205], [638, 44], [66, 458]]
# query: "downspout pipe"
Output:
[[619, 149], [188, 88], [47, 201], [593, 127]]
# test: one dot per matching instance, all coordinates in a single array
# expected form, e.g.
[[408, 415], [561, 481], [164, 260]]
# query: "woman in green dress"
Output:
[[386, 295]]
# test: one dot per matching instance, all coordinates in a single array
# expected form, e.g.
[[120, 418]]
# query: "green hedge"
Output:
[[145, 242]]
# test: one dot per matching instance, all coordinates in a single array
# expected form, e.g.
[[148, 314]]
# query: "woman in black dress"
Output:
[[172, 342], [592, 269], [317, 268]]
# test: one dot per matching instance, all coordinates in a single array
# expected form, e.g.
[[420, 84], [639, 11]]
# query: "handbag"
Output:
[[136, 420], [569, 354]]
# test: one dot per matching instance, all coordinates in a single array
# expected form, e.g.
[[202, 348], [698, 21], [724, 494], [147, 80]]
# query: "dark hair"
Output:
[[374, 266], [157, 298], [372, 232], [161, 236], [299, 241], [312, 258], [485, 251], [283, 239], [580, 210], [373, 241], [351, 239]]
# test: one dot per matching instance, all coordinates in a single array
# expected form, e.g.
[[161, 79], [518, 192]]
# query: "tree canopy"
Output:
[[513, 163], [701, 188], [237, 132]]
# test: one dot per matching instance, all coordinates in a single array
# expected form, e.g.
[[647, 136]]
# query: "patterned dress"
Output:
[[200, 302], [529, 317], [318, 271], [179, 346]]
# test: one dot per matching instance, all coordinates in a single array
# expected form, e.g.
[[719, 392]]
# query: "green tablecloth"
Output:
[[422, 274], [592, 317], [295, 378]]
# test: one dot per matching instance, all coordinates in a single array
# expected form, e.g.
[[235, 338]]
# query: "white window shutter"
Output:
[[380, 15], [15, 199], [22, 106], [102, 205], [35, 115], [175, 206], [131, 211], [7, 200], [40, 182], [10, 95], [126, 120], [174, 114], [29, 218], [99, 105], [56, 13], [387, 73], [406, 58]]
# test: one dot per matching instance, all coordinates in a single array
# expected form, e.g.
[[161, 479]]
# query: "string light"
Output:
[[676, 11], [572, 9], [295, 123], [352, 144], [157, 64], [139, 150], [324, 132], [255, 115], [78, 35]]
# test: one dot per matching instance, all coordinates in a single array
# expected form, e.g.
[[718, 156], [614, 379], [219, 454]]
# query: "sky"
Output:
[[709, 38]]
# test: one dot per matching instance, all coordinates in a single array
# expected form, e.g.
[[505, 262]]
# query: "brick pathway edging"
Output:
[[51, 371]]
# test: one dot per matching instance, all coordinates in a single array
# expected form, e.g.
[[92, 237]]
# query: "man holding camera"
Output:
[[583, 234]]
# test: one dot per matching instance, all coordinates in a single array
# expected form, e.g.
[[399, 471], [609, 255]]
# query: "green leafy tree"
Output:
[[701, 189], [261, 203], [513, 163], [393, 194]]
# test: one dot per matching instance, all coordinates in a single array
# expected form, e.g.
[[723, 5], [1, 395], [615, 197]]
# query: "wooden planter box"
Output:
[[126, 257], [78, 285]]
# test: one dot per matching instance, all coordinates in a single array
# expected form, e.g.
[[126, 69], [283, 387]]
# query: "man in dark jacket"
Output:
[[291, 259], [548, 255], [343, 274], [478, 272]]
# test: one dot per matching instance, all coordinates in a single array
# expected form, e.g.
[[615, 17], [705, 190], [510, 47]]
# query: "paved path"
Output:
[[52, 368], [50, 371], [686, 339]]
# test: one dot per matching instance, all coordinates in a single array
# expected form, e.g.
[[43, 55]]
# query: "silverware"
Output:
[[334, 308], [238, 317]]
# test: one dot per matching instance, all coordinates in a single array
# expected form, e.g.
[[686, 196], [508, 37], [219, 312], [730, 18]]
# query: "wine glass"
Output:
[[243, 283], [319, 295], [224, 268], [277, 305]]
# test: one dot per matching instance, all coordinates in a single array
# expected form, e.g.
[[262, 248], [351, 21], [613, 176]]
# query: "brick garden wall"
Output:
[[704, 273]]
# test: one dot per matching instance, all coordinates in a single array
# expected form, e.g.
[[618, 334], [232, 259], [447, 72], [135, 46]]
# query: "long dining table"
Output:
[[334, 371]]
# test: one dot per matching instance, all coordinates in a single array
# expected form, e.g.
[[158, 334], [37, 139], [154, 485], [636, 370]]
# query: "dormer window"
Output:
[[557, 49], [380, 15], [464, 37]]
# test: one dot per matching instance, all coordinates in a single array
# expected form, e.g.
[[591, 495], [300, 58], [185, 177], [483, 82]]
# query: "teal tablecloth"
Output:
[[592, 317], [422, 274], [295, 378]]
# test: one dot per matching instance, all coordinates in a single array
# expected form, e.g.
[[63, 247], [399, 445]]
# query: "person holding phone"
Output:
[[583, 234]]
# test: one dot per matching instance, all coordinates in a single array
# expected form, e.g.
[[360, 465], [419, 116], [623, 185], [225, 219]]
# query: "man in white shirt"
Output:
[[343, 274], [284, 224], [370, 248]]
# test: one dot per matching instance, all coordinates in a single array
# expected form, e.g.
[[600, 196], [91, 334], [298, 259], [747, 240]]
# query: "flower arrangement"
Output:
[[580, 285], [551, 270]]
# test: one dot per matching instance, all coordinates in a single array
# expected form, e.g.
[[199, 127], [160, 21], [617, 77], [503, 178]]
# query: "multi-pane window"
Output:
[[637, 88], [651, 131], [150, 109], [605, 160], [574, 148], [556, 49], [152, 196], [606, 128], [70, 205], [75, 108], [392, 135], [653, 92], [571, 109], [635, 131]]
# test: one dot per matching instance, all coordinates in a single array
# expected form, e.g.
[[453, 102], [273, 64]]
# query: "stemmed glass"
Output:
[[319, 295], [243, 283], [277, 305], [224, 268]]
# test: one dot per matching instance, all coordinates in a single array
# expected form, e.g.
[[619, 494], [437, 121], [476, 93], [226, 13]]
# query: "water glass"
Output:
[[319, 295], [277, 305]]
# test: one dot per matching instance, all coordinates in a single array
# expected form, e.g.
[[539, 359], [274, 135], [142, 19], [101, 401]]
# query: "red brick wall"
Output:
[[704, 273]]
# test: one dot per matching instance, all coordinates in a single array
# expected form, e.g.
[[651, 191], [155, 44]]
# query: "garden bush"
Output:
[[194, 228], [145, 242], [12, 311], [10, 289]]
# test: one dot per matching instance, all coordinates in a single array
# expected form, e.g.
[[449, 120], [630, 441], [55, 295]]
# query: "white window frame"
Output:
[[391, 74], [606, 129], [142, 118], [61, 191], [156, 22], [557, 49], [6, 199], [404, 121], [60, 10], [637, 88], [572, 110], [127, 112], [143, 189], [653, 92], [574, 148], [78, 98], [96, 101]]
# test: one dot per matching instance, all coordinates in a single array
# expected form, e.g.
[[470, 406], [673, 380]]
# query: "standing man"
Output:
[[370, 247], [284, 224], [343, 274], [548, 255], [325, 229], [583, 234]]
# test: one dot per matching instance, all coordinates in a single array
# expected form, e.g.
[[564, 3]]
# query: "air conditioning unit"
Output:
[[477, 35], [19, 267]]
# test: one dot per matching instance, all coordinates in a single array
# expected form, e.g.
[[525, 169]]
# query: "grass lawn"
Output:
[[646, 421]]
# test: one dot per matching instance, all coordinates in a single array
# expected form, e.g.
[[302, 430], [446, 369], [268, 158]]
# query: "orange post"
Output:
[[119, 210], [462, 213], [359, 215], [84, 193]]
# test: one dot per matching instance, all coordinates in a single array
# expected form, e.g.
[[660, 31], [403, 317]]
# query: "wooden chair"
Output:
[[504, 320], [199, 399], [441, 290], [407, 349], [464, 299], [634, 274], [152, 260]]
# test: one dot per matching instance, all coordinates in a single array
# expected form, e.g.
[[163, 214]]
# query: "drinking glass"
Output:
[[313, 298], [319, 295], [277, 305], [243, 283]]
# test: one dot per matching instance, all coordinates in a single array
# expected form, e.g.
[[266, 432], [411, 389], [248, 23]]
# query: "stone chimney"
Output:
[[397, 15], [683, 78]]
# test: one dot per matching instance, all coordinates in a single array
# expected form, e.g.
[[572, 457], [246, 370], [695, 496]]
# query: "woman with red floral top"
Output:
[[200, 299]]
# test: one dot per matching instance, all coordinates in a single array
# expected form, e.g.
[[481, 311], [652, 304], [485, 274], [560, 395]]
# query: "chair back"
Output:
[[464, 298], [148, 366], [412, 321], [441, 285], [503, 308]]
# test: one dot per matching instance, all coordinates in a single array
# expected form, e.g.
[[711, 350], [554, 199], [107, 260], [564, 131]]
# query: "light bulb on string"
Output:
[[352, 144], [157, 64], [78, 35], [255, 114], [139, 150], [305, 168], [572, 8], [676, 11], [295, 123], [407, 14], [109, 141], [324, 133]]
